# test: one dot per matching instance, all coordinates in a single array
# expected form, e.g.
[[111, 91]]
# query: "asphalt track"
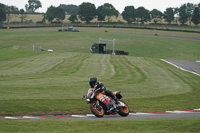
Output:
[[149, 115]]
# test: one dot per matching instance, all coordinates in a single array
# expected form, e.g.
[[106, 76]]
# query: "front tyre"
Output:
[[124, 111], [98, 111]]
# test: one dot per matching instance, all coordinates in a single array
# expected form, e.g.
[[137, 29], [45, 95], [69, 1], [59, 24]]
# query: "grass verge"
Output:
[[90, 126]]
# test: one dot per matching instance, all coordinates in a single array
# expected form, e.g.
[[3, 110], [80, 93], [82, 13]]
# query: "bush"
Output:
[[40, 22], [56, 22]]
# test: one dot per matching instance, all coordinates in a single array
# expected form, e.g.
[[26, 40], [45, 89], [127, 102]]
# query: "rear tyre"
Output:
[[124, 111], [98, 111]]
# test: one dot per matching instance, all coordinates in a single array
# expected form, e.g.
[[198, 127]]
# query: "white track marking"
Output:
[[90, 115], [30, 117], [178, 112], [80, 116], [8, 117], [141, 114], [132, 114], [144, 113]]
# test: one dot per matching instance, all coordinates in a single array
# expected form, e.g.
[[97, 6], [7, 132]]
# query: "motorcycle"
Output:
[[101, 105]]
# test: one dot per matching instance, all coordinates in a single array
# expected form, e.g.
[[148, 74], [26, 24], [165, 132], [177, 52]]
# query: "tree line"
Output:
[[87, 12]]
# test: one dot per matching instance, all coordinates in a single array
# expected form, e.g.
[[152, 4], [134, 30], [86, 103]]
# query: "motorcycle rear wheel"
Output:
[[124, 111], [98, 111]]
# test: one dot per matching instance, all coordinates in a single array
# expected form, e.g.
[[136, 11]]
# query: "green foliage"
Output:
[[190, 9], [143, 14], [33, 5], [50, 14], [100, 15], [106, 10], [11, 12], [87, 11], [156, 15], [129, 14], [2, 14], [169, 15], [109, 11], [70, 9], [73, 18], [55, 13], [59, 14], [183, 14], [196, 16]]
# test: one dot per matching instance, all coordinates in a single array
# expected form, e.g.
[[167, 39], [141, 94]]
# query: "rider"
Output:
[[100, 88]]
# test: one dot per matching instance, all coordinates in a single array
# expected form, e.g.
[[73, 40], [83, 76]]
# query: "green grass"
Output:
[[90, 126], [136, 45], [34, 86], [14, 54], [34, 82]]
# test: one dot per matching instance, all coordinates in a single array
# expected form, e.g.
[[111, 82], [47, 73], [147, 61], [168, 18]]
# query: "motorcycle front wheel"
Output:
[[124, 111], [98, 111]]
